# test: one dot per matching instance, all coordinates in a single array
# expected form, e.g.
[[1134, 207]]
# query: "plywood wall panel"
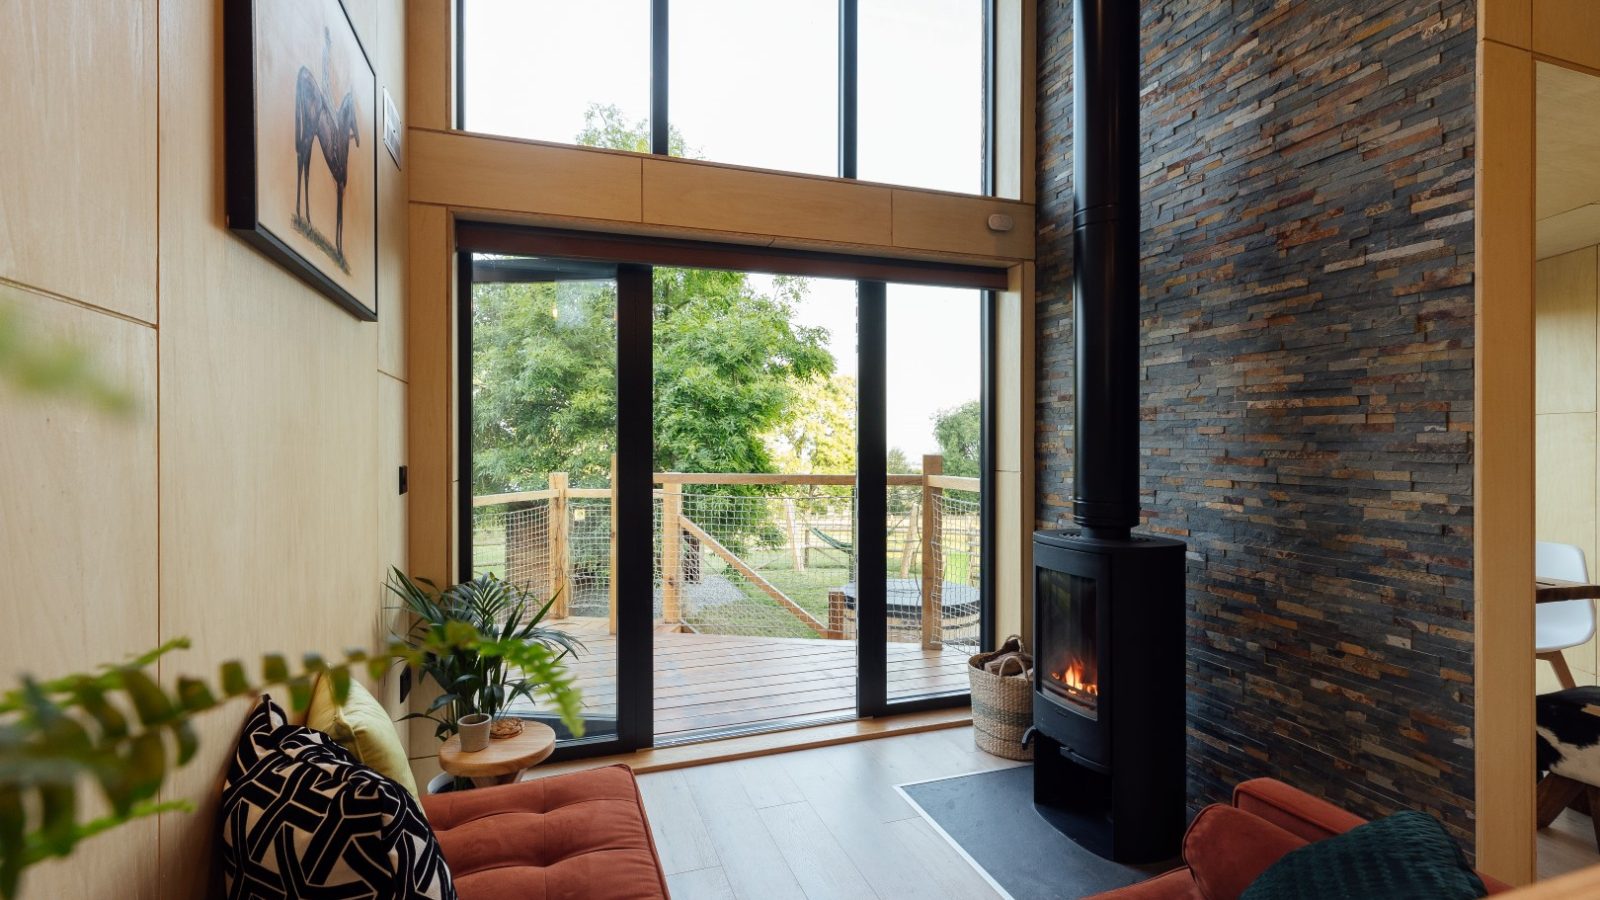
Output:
[[78, 186], [1565, 313], [270, 434], [78, 545], [929, 221], [1565, 464], [393, 516], [393, 233]]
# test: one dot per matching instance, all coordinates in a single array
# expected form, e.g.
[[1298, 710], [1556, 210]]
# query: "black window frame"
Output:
[[849, 85], [635, 447]]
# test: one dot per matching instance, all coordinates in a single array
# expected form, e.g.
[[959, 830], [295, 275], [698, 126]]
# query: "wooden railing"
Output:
[[676, 526]]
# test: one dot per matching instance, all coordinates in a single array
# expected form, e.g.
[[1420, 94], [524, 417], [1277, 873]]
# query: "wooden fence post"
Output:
[[932, 555], [671, 551], [560, 562], [611, 573]]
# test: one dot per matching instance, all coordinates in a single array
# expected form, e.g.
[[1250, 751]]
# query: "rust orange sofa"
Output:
[[1227, 847], [558, 838]]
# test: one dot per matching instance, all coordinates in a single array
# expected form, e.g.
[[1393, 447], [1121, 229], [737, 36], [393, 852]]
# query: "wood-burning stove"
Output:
[[1108, 624], [1108, 702]]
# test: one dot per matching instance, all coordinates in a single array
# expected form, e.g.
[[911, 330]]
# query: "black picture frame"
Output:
[[242, 102]]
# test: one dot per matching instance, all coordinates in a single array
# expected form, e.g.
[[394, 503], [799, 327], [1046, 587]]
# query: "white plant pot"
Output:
[[474, 732]]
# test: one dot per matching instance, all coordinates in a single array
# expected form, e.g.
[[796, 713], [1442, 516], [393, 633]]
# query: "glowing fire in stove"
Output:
[[1071, 679]]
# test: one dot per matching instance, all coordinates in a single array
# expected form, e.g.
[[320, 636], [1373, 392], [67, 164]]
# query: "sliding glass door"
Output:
[[678, 458], [546, 405], [755, 449]]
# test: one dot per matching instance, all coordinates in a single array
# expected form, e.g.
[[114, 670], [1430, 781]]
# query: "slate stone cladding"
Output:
[[1307, 319]]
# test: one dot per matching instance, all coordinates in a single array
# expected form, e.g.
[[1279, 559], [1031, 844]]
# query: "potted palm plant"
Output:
[[472, 683]]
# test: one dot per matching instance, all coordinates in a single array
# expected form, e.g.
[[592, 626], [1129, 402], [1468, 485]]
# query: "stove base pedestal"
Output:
[[1101, 811]]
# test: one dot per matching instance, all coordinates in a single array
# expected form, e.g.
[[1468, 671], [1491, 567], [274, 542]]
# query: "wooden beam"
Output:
[[491, 178], [924, 220], [430, 63], [475, 171], [514, 497], [954, 482]]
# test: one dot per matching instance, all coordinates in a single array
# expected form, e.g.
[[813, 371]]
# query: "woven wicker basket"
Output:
[[1002, 705]]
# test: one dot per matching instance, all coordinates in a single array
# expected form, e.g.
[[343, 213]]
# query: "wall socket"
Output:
[[391, 128]]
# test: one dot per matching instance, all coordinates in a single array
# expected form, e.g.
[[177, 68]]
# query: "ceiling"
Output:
[[1568, 203]]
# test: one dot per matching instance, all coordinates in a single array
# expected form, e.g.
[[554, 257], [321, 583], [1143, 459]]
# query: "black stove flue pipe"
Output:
[[1105, 244]]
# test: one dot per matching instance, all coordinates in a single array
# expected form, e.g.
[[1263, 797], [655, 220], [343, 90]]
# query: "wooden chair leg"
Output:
[[1555, 792], [1558, 661], [1594, 806]]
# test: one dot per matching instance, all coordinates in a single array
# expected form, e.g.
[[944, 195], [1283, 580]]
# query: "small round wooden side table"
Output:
[[503, 760]]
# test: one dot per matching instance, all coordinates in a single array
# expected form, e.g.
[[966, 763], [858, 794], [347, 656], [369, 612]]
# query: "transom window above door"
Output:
[[896, 91]]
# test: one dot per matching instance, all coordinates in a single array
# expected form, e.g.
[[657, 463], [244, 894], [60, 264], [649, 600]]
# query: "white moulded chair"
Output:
[[1565, 623]]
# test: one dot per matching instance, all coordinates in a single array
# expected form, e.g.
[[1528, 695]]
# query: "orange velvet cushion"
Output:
[[1226, 848], [559, 838]]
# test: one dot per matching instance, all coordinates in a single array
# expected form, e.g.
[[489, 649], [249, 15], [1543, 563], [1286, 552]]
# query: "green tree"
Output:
[[900, 464], [819, 433], [959, 431], [730, 364], [605, 125]]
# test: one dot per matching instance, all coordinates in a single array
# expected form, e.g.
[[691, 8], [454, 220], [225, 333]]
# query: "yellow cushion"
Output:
[[363, 727]]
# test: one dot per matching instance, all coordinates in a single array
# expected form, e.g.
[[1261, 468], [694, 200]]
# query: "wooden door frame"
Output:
[[1513, 35]]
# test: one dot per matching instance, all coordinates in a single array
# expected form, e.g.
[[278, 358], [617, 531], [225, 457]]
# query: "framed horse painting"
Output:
[[301, 134]]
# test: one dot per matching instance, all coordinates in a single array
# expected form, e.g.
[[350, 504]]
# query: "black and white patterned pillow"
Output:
[[302, 819]]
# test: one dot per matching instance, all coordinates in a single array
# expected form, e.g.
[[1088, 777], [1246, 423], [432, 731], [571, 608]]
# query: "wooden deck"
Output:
[[707, 682]]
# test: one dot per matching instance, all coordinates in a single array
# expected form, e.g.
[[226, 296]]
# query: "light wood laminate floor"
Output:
[[820, 824], [1567, 845]]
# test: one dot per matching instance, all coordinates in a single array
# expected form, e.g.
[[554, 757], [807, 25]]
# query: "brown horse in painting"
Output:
[[334, 130]]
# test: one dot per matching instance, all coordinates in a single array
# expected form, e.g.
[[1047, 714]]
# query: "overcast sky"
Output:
[[755, 82]]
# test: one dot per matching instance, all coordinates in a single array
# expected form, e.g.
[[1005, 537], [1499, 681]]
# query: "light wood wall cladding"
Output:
[[1565, 319], [1503, 471], [1014, 389], [929, 221], [430, 73], [1566, 30], [507, 179], [714, 198], [252, 504], [393, 521], [430, 403], [469, 170], [78, 544], [394, 232], [1566, 505], [78, 188], [275, 462]]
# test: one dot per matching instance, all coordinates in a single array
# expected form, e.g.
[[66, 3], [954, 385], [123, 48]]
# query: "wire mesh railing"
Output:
[[771, 556]]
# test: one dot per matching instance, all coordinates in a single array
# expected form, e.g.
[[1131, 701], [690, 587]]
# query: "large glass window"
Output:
[[554, 70], [758, 84], [922, 93], [543, 442], [933, 429]]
